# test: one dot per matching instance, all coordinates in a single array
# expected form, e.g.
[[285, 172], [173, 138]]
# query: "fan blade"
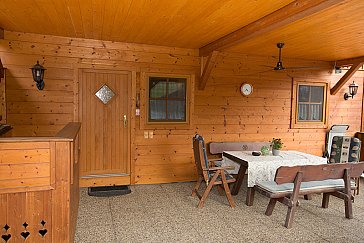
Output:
[[252, 74], [298, 68]]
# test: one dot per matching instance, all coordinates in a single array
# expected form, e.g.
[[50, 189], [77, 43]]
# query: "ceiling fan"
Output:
[[280, 66]]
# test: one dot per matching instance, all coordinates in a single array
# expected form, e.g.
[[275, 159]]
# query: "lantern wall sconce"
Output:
[[353, 89], [38, 75], [338, 70]]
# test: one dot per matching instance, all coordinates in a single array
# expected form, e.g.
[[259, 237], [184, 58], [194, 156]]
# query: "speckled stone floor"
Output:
[[167, 213]]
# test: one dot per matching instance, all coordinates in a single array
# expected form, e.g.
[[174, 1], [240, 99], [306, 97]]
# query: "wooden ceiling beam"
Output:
[[349, 61], [346, 77], [207, 68], [288, 14]]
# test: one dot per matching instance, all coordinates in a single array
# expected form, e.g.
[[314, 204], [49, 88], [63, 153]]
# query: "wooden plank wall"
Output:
[[24, 195], [26, 200], [23, 169], [266, 113], [39, 190], [221, 113]]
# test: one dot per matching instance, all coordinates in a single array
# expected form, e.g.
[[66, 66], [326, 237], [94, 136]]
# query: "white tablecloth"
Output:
[[263, 168]]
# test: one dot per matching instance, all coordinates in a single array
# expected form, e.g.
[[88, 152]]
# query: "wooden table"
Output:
[[263, 168]]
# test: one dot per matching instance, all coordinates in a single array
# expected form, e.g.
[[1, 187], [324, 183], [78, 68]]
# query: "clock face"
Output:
[[246, 89]]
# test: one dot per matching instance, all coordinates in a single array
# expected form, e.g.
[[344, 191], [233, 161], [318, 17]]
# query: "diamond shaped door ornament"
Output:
[[105, 94]]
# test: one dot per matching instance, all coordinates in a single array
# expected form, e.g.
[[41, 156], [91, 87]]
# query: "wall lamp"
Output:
[[38, 75], [353, 89], [337, 70]]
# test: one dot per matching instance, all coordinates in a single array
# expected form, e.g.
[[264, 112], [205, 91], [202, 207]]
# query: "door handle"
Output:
[[125, 121]]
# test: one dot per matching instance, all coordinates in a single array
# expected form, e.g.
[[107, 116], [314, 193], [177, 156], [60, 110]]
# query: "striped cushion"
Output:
[[345, 149], [272, 186]]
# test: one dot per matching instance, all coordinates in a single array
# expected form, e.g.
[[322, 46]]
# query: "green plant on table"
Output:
[[277, 143], [264, 150]]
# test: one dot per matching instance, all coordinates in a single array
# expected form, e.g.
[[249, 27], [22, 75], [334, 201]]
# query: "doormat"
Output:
[[108, 191]]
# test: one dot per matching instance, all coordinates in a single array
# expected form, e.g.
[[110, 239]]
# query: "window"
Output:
[[167, 99], [309, 105]]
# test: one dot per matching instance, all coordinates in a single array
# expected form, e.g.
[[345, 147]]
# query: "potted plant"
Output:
[[276, 145]]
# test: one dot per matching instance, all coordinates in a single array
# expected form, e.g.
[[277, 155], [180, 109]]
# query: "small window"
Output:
[[309, 105], [167, 99]]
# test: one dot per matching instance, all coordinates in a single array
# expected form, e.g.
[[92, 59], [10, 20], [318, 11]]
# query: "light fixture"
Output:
[[338, 70], [38, 75], [353, 89]]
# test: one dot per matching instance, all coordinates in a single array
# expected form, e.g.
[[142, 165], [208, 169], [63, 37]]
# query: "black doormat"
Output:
[[107, 191]]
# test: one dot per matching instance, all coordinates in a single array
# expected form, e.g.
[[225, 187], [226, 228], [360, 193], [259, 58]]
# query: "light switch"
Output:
[[145, 134], [150, 134]]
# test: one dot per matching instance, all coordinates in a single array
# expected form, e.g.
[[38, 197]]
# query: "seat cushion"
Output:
[[272, 186], [227, 175], [345, 149]]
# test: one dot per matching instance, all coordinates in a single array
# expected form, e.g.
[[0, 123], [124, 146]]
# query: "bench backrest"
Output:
[[219, 147], [287, 174]]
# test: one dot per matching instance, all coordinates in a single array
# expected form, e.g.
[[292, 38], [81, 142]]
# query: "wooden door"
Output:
[[103, 109]]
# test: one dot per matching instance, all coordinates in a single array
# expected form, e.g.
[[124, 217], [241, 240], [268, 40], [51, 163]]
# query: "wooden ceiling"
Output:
[[332, 34]]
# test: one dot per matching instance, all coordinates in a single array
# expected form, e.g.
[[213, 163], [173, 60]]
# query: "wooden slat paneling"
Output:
[[136, 21], [40, 195], [24, 171], [24, 156], [220, 113], [24, 184]]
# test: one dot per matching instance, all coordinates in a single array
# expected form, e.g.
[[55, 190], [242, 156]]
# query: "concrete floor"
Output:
[[167, 213]]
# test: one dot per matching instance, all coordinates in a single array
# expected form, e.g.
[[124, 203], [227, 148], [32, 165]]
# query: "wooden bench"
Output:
[[329, 179], [219, 147]]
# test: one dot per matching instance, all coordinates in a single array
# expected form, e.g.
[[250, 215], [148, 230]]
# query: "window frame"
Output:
[[295, 123], [144, 93], [166, 99]]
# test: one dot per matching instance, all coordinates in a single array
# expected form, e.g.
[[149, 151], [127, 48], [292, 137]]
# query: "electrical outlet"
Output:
[[145, 134], [150, 134]]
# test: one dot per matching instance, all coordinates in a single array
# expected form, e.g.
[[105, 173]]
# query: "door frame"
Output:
[[119, 180]]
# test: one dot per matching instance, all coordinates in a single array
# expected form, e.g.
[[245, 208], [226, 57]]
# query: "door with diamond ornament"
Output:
[[104, 99]]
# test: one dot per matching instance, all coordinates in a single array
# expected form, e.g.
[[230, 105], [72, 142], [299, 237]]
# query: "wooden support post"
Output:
[[1, 33], [345, 78], [207, 69]]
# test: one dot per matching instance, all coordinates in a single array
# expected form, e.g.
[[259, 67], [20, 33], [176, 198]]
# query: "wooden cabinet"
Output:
[[39, 190], [3, 99]]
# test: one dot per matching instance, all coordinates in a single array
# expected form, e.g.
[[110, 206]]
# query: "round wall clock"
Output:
[[246, 89]]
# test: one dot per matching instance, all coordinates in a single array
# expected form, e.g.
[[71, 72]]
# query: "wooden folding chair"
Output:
[[211, 175]]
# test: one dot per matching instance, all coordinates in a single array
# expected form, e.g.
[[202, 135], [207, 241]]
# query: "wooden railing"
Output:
[[39, 189]]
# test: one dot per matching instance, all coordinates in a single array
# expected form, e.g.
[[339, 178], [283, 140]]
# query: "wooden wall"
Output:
[[221, 113]]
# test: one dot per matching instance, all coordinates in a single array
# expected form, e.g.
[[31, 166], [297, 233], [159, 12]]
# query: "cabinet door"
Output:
[[2, 100]]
